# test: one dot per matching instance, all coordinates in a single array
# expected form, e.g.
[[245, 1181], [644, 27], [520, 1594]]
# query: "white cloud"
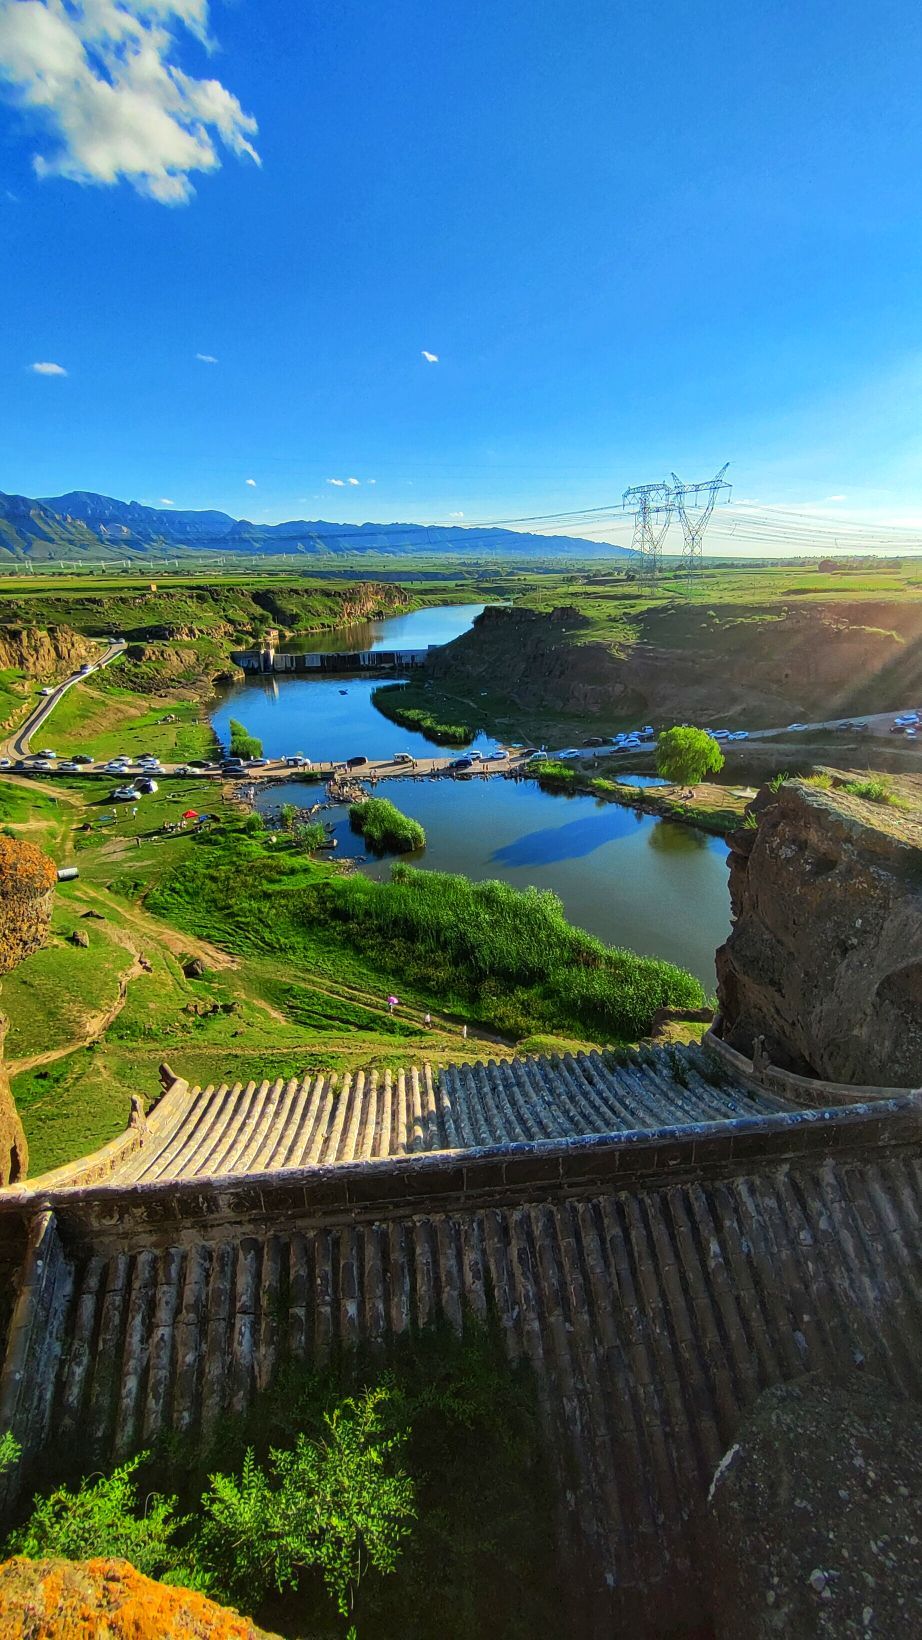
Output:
[[371, 481], [339, 482], [100, 75], [165, 502], [835, 498], [431, 358], [456, 515], [352, 481], [46, 368], [206, 358], [251, 482]]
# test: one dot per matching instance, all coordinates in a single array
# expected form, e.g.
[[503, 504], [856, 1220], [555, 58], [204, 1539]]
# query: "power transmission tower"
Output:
[[701, 498], [652, 506]]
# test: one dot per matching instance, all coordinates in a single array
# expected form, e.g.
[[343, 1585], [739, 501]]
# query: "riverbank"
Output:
[[713, 808]]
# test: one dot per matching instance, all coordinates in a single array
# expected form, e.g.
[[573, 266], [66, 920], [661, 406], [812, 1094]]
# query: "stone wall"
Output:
[[824, 961]]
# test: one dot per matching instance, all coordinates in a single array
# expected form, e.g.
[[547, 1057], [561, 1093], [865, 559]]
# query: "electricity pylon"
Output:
[[702, 499], [652, 506]]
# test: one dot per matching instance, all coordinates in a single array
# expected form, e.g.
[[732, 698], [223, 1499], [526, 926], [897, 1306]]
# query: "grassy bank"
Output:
[[405, 703], [713, 808], [384, 828], [484, 950]]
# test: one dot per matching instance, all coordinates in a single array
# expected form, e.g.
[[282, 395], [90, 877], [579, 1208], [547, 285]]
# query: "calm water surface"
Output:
[[333, 717], [652, 885]]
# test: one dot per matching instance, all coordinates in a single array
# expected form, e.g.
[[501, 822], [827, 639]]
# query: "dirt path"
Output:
[[160, 933], [95, 1026]]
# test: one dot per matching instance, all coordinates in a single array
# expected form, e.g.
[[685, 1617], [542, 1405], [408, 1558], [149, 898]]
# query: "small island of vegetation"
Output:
[[395, 701], [242, 743], [384, 828]]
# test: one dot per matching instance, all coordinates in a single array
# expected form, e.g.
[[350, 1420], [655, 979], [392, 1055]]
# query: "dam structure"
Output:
[[313, 663], [662, 1233]]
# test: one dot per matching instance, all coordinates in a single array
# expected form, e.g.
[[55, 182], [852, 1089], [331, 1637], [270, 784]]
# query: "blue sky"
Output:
[[636, 238]]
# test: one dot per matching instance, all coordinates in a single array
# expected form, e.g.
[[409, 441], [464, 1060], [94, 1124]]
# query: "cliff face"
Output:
[[685, 661], [825, 956], [49, 654], [534, 658]]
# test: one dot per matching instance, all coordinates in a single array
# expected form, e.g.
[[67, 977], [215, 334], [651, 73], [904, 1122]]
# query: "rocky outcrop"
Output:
[[52, 653], [681, 661], [814, 1516], [86, 1599], [540, 663], [824, 959]]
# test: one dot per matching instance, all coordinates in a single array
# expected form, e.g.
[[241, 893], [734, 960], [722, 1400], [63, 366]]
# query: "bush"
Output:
[[875, 790], [242, 743], [384, 828], [329, 1504], [103, 1519]]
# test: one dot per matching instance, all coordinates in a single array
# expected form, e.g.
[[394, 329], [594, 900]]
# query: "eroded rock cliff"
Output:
[[825, 956], [682, 661], [51, 653]]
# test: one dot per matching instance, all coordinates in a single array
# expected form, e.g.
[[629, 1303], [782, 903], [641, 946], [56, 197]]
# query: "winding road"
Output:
[[18, 744]]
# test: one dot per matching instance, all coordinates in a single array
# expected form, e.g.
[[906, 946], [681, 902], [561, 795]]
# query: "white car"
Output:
[[46, 691], [720, 734], [907, 720], [42, 764], [498, 755], [148, 763], [126, 794], [6, 762], [68, 768], [402, 757], [47, 752], [117, 765], [796, 728]]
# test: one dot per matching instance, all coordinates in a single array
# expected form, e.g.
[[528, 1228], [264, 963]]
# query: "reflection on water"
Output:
[[635, 880], [333, 717], [414, 630]]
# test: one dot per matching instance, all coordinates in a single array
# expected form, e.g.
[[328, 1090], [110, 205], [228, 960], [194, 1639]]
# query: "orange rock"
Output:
[[107, 1600]]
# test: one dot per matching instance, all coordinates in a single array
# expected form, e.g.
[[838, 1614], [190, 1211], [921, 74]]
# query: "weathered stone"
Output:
[[814, 1526], [27, 879], [90, 1599], [80, 937], [194, 968], [825, 956]]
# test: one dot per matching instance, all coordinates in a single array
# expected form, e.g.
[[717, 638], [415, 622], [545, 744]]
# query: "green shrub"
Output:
[[384, 828], [685, 755], [103, 1518], [331, 1504], [242, 743]]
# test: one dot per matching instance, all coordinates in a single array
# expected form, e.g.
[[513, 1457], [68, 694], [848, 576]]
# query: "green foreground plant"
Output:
[[385, 828]]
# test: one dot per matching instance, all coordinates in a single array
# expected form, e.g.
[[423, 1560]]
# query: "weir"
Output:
[[270, 659], [662, 1234]]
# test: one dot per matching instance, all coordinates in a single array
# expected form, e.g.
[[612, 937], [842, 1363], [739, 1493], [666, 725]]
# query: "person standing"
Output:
[[427, 1021]]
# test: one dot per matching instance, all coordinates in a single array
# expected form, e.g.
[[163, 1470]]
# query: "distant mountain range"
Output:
[[82, 525]]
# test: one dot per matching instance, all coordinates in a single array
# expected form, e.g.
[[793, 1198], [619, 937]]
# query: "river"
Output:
[[652, 885]]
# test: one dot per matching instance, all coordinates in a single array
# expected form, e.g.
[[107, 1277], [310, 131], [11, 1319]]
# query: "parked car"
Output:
[[796, 728], [47, 752], [570, 751], [297, 761], [83, 757], [912, 734], [257, 763], [149, 761], [117, 765], [6, 762], [46, 691], [356, 762], [200, 763], [595, 740], [86, 667], [720, 734], [69, 768], [461, 763], [403, 757], [42, 764], [897, 728], [232, 763], [740, 734], [182, 768], [862, 728], [498, 756], [125, 794]]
